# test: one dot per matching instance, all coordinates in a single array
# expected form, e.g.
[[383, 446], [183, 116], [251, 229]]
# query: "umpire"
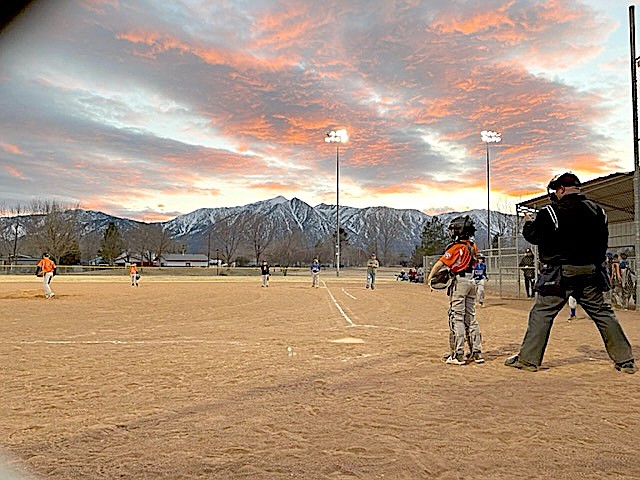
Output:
[[572, 235]]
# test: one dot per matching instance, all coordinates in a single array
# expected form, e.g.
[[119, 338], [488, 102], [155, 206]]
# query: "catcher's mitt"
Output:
[[441, 279]]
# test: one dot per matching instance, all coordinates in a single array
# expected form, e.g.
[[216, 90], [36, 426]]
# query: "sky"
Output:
[[149, 109]]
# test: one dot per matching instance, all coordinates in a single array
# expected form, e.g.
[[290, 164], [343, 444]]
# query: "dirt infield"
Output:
[[219, 378]]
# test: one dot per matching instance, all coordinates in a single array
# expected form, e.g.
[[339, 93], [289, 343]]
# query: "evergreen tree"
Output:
[[434, 239], [111, 244]]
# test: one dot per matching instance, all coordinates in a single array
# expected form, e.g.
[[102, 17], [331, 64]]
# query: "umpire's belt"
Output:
[[575, 270]]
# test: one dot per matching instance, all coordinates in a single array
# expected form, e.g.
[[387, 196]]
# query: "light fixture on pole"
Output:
[[337, 137], [488, 137]]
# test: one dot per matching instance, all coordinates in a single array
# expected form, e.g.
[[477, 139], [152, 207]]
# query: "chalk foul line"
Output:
[[346, 317], [348, 294]]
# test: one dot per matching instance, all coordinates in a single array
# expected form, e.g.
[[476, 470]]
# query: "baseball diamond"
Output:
[[215, 377]]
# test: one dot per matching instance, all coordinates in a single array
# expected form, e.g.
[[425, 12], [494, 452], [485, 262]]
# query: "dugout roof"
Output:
[[614, 193]]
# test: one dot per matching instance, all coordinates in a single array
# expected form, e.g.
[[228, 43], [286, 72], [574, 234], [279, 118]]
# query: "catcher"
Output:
[[458, 260]]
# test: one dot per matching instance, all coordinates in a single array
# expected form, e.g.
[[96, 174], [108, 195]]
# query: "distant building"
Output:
[[125, 259], [19, 260], [183, 260]]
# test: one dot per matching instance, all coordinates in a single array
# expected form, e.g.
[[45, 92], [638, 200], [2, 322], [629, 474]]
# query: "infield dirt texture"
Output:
[[218, 378]]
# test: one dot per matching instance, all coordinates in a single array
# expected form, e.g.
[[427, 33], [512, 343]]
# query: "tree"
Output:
[[344, 243], [290, 249], [504, 222], [381, 231], [55, 231], [260, 234], [90, 244], [228, 233], [111, 245], [13, 229], [151, 241], [433, 241]]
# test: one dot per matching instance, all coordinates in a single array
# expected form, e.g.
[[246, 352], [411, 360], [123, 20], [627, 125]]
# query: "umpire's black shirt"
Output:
[[573, 231]]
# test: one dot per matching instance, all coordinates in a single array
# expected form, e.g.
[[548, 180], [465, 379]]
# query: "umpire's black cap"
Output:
[[567, 179]]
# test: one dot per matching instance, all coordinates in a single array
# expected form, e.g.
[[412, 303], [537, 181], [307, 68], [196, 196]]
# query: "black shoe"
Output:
[[627, 367], [515, 362], [477, 357]]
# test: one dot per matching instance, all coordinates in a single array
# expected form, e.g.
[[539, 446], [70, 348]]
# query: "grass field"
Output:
[[216, 377]]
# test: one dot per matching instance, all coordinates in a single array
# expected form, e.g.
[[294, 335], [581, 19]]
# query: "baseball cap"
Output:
[[567, 179]]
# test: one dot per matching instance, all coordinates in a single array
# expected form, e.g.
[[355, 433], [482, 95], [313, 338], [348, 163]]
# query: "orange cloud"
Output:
[[241, 59], [14, 172], [9, 148]]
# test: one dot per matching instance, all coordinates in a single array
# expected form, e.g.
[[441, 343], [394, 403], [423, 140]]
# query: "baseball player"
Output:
[[48, 268], [264, 272], [315, 273], [133, 273], [372, 267], [459, 257]]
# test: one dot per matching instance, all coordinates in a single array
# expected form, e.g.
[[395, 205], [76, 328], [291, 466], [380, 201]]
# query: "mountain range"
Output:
[[361, 225]]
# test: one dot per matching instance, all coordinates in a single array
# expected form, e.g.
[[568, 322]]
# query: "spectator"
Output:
[[529, 272]]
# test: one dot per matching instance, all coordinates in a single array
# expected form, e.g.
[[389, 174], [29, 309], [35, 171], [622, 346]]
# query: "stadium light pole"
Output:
[[488, 137], [337, 137]]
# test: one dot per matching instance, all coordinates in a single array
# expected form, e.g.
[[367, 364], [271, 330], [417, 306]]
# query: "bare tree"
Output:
[[11, 230], [90, 246], [228, 233], [324, 249], [290, 249], [151, 241], [55, 231], [259, 232], [504, 220], [381, 231]]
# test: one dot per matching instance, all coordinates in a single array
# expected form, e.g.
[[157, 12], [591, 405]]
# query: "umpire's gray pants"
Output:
[[592, 301], [462, 316]]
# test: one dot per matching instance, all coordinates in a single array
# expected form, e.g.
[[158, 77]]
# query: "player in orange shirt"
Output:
[[48, 268], [460, 258], [133, 273]]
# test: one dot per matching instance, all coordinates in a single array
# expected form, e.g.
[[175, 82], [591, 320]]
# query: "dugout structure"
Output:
[[614, 193]]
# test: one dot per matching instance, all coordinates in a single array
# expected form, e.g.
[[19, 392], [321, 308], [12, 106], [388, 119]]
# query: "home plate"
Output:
[[347, 340]]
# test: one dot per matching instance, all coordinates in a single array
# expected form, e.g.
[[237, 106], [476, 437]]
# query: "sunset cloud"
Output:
[[204, 104]]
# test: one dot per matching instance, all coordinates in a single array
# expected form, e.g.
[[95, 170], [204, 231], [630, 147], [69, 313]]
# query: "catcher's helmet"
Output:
[[461, 227], [441, 280]]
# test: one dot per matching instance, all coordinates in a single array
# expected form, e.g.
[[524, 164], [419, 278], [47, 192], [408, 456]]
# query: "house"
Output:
[[125, 259], [183, 260]]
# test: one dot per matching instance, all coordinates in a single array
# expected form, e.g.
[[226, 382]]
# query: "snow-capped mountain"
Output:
[[401, 228], [361, 225]]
